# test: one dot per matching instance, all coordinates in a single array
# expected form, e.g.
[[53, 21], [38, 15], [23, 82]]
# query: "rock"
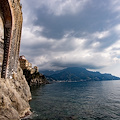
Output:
[[35, 78], [14, 97]]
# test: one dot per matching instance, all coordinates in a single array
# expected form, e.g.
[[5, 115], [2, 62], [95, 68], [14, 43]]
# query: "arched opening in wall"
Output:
[[1, 41], [6, 26]]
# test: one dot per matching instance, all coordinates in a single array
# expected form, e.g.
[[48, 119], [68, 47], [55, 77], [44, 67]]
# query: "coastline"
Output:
[[14, 97]]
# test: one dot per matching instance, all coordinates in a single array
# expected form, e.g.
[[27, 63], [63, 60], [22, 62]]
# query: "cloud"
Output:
[[101, 35], [114, 50], [117, 28], [69, 50], [115, 5], [60, 7], [58, 34], [57, 54]]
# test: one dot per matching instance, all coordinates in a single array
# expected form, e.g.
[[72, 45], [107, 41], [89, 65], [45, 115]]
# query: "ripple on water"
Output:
[[77, 101]]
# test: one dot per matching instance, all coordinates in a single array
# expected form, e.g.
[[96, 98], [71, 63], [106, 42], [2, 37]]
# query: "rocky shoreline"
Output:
[[35, 79], [14, 89], [14, 97]]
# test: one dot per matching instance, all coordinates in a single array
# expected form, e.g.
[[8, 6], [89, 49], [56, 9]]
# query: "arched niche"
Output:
[[6, 19]]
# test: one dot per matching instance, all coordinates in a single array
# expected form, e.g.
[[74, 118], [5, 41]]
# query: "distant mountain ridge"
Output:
[[77, 74]]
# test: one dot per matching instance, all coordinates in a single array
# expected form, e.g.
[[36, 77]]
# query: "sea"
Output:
[[93, 100]]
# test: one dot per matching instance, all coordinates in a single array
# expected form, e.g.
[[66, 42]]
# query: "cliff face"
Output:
[[35, 78], [14, 97], [14, 90]]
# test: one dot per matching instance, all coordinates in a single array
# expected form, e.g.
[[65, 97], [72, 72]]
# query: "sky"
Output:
[[72, 33]]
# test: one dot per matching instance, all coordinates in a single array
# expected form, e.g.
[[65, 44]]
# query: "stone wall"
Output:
[[12, 20]]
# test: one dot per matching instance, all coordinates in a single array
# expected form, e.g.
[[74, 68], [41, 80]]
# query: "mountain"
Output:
[[77, 74]]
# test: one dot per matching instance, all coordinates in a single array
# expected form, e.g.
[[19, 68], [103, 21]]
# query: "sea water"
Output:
[[94, 100]]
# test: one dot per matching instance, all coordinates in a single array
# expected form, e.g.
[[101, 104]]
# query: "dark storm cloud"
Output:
[[59, 34], [65, 65], [89, 21]]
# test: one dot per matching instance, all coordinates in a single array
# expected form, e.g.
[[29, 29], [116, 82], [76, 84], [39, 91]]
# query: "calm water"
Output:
[[97, 100]]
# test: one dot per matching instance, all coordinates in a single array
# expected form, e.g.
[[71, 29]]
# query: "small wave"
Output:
[[30, 117]]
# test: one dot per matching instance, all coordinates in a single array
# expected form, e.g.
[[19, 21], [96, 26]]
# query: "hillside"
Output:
[[77, 74], [35, 78]]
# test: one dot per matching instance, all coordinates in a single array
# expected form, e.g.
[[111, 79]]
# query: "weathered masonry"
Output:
[[10, 35]]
